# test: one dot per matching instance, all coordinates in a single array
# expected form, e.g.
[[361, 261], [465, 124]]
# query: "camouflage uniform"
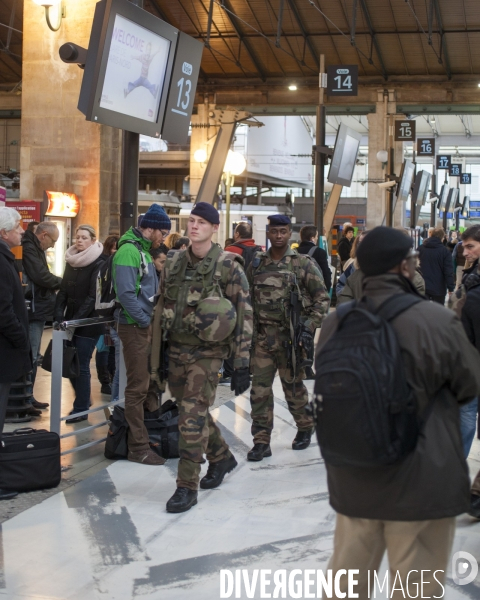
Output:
[[270, 283], [194, 363]]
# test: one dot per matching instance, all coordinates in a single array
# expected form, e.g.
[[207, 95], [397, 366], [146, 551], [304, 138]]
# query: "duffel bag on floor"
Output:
[[116, 445], [163, 430], [29, 460], [162, 427]]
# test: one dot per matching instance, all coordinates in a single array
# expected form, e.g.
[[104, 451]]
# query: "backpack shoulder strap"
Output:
[[396, 305], [311, 251]]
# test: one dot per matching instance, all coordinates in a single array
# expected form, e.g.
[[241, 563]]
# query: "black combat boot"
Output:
[[182, 500], [259, 452], [474, 506], [216, 472], [302, 440]]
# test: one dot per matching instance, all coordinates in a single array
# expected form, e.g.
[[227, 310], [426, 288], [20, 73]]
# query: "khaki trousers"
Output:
[[140, 393], [412, 546]]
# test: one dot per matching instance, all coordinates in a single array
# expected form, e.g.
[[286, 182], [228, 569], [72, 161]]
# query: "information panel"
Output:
[[426, 147], [455, 170], [342, 80], [405, 130], [444, 161]]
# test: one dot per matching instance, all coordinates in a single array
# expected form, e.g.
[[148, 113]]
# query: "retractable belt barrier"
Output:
[[65, 333]]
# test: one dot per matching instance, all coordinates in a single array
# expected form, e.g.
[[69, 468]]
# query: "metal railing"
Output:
[[59, 336]]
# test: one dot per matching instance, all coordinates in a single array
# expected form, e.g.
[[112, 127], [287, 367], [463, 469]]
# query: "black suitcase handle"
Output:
[[24, 431]]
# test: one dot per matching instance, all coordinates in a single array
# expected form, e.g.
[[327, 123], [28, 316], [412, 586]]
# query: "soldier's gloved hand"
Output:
[[240, 380], [306, 340]]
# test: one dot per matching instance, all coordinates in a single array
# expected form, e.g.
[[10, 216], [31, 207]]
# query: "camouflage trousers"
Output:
[[193, 385], [269, 354]]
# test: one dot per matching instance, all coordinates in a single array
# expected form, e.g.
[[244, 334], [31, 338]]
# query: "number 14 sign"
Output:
[[342, 80]]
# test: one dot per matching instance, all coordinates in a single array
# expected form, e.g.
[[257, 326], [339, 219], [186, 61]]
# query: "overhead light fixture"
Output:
[[47, 4], [292, 88], [479, 85], [432, 120]]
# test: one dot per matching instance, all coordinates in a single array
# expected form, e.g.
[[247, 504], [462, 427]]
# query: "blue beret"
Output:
[[279, 220], [206, 211]]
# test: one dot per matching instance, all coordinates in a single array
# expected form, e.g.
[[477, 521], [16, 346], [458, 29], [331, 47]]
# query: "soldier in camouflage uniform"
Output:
[[272, 275], [207, 316]]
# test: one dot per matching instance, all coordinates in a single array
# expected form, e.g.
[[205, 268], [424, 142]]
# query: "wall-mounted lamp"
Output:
[[382, 156], [200, 155], [60, 11]]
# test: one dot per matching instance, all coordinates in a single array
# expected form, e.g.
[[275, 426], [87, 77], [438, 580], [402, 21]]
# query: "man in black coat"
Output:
[[15, 355], [471, 323], [309, 240], [41, 286], [436, 264], [407, 508]]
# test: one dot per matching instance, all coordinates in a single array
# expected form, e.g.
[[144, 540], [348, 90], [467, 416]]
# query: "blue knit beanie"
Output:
[[206, 211], [155, 218]]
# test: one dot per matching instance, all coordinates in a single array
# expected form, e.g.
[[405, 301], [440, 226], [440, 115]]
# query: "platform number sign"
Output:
[[444, 161], [342, 80], [466, 178], [455, 170], [426, 147], [404, 131], [183, 85]]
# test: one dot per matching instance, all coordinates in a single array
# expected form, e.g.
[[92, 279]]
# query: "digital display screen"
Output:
[[443, 197], [406, 181], [344, 157], [135, 73], [349, 158], [421, 189]]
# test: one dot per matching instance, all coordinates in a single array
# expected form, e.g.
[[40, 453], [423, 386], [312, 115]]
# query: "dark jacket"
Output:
[[470, 312], [43, 283], [344, 248], [15, 355], [437, 267], [76, 298], [353, 288], [322, 260], [442, 368], [246, 249]]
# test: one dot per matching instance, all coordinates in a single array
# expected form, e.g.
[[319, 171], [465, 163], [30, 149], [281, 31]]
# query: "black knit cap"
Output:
[[382, 249], [206, 211]]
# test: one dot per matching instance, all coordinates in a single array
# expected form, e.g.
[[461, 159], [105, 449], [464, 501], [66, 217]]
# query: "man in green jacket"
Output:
[[135, 281]]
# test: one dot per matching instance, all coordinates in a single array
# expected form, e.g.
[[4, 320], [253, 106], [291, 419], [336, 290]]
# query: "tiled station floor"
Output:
[[108, 536]]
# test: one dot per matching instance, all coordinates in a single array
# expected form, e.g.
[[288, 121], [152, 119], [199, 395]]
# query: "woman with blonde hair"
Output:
[[172, 239], [76, 300]]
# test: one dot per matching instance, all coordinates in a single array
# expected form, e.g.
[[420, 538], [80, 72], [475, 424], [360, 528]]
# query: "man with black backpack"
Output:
[[244, 243], [391, 372]]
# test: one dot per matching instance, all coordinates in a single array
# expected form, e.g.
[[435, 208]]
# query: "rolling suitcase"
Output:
[[29, 460]]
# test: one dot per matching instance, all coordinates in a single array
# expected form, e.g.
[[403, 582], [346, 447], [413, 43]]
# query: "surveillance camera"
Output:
[[387, 184]]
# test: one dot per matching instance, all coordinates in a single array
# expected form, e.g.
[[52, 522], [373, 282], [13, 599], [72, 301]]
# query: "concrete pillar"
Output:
[[199, 140], [60, 150], [379, 139]]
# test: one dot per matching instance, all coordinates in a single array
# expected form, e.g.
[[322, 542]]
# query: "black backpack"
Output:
[[106, 298], [364, 410], [248, 252]]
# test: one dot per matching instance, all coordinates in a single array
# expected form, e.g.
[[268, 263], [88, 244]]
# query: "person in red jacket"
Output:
[[244, 243]]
